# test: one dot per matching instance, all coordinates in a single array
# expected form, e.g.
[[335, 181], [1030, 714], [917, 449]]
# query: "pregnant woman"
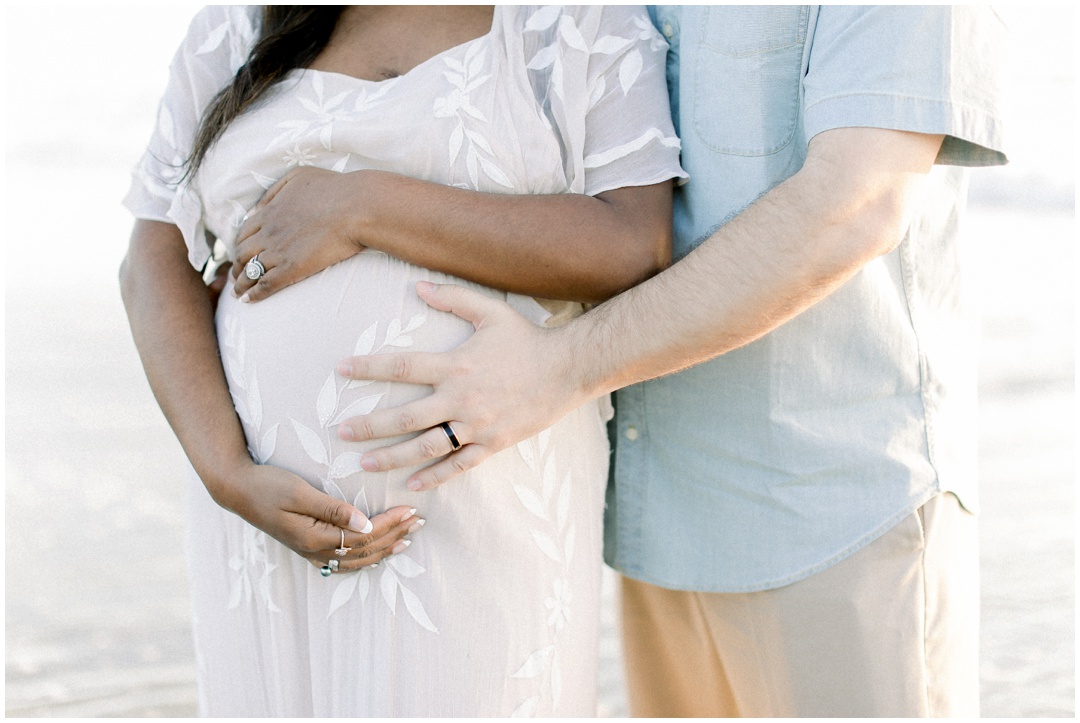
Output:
[[522, 149]]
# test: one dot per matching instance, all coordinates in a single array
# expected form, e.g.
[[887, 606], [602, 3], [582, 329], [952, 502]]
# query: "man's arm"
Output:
[[849, 204]]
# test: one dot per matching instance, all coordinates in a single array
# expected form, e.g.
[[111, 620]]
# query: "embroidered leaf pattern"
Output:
[[268, 445], [531, 501], [543, 18], [526, 709], [345, 464], [416, 609], [629, 70], [310, 442], [388, 586], [568, 29], [535, 664], [405, 566], [342, 594], [547, 546], [213, 40], [327, 401], [364, 405]]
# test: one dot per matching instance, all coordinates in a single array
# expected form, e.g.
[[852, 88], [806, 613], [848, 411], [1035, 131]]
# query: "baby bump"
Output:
[[279, 357]]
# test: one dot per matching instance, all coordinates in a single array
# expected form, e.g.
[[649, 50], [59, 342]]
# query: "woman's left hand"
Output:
[[302, 225]]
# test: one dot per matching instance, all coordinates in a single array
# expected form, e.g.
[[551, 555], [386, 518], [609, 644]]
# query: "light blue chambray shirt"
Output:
[[781, 458]]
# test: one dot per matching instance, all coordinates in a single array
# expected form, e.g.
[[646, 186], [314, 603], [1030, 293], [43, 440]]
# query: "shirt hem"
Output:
[[791, 578]]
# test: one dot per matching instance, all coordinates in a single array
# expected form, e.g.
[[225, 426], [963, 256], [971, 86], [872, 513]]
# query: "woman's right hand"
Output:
[[302, 224], [310, 522]]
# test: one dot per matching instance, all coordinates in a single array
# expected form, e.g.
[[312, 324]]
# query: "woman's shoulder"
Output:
[[228, 31], [579, 26]]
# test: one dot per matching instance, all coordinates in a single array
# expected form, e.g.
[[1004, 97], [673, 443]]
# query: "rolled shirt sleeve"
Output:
[[934, 71]]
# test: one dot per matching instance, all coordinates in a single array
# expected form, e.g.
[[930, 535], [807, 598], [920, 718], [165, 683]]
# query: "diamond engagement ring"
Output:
[[254, 268], [340, 552], [333, 565], [455, 445]]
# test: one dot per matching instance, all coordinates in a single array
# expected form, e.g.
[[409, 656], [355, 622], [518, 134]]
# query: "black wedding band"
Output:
[[455, 445]]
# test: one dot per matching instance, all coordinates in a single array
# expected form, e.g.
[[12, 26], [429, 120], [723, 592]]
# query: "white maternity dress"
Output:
[[493, 610]]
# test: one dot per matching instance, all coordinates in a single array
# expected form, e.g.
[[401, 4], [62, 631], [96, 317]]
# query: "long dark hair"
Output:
[[291, 36]]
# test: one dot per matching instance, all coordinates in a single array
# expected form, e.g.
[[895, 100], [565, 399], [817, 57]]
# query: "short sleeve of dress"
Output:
[[217, 44], [932, 69], [599, 75]]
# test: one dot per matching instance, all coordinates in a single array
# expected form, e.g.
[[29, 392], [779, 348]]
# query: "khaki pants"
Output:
[[890, 631]]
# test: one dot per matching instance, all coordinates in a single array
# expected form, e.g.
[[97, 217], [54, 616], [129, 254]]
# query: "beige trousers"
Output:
[[890, 631]]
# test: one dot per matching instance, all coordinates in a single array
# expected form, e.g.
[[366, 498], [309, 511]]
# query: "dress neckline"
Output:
[[478, 39]]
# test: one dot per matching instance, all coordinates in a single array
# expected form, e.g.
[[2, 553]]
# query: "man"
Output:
[[792, 514]]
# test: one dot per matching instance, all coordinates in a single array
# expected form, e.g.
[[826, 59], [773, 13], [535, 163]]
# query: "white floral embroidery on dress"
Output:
[[329, 412], [465, 77], [298, 157], [556, 540], [252, 561], [252, 558], [321, 114]]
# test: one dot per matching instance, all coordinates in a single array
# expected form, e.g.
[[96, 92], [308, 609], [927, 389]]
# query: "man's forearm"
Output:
[[790, 249]]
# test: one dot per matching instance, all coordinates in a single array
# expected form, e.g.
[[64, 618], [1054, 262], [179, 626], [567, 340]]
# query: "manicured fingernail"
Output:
[[414, 485], [400, 547], [369, 463], [359, 523], [425, 286], [345, 432], [373, 565], [415, 526], [245, 298], [408, 514], [344, 369]]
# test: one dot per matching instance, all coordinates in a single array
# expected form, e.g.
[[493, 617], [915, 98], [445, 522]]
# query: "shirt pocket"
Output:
[[748, 77]]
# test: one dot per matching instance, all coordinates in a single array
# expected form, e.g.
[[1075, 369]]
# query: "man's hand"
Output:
[[509, 381], [309, 522], [298, 228]]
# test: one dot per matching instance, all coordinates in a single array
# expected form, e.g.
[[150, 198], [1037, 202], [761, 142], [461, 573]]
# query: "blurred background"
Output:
[[97, 613]]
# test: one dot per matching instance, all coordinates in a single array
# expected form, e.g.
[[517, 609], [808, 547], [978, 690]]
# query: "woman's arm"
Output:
[[566, 246], [171, 317]]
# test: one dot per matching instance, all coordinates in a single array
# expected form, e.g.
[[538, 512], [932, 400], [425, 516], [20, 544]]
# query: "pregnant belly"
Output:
[[279, 357]]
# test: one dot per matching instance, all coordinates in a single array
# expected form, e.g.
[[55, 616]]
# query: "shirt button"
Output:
[[669, 32], [631, 433]]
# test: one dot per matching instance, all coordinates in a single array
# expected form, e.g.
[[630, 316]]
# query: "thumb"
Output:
[[470, 305], [321, 506]]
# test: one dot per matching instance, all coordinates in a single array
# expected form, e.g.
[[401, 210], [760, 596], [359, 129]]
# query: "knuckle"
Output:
[[458, 464], [406, 421], [427, 448], [400, 369], [334, 514], [363, 430]]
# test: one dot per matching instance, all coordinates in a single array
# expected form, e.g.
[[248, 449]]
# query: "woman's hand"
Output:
[[302, 225], [311, 523]]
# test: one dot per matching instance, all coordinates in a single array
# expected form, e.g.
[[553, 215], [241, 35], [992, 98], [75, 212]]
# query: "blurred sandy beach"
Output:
[[97, 616]]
